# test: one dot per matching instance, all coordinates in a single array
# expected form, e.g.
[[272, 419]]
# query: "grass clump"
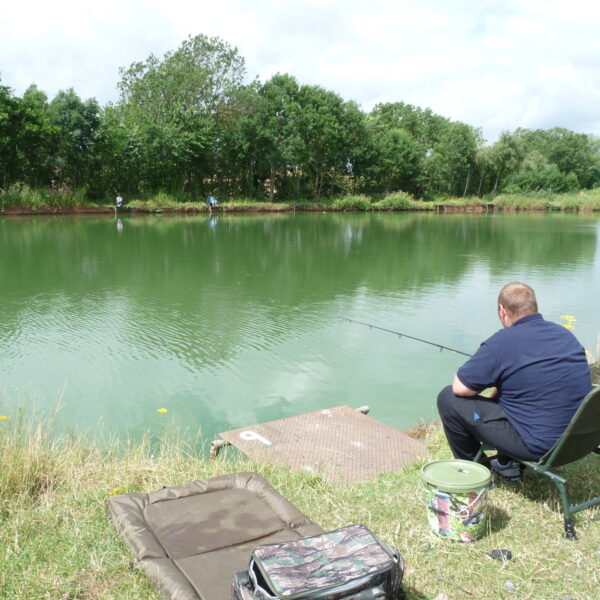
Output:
[[56, 540], [352, 202], [395, 201]]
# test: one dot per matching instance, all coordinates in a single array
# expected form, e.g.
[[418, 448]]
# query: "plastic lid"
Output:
[[456, 475]]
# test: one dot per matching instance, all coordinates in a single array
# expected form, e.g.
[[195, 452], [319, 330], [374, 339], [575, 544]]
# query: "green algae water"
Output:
[[234, 320]]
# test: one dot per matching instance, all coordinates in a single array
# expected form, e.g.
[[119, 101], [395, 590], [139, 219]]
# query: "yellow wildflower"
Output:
[[162, 411], [117, 490], [3, 417]]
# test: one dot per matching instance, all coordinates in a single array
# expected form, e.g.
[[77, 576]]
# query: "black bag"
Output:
[[350, 563]]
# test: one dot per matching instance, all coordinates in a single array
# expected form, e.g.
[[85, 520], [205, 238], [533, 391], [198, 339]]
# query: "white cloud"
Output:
[[498, 65]]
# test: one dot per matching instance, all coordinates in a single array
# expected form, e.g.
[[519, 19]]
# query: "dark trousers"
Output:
[[470, 421]]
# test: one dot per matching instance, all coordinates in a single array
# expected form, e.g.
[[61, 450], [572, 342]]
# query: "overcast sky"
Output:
[[497, 65]]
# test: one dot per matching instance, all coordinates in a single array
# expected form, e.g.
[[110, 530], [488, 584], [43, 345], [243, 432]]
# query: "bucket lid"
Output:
[[456, 475]]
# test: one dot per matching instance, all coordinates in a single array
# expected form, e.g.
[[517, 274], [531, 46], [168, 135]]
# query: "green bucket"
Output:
[[455, 497]]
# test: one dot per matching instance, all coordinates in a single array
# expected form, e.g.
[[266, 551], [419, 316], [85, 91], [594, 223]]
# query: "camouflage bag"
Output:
[[346, 564]]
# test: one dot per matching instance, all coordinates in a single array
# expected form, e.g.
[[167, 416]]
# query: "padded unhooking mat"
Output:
[[191, 539]]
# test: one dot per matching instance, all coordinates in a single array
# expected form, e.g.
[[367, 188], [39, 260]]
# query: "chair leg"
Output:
[[481, 456], [570, 532]]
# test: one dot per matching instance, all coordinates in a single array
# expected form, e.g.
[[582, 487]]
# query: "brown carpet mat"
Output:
[[191, 539]]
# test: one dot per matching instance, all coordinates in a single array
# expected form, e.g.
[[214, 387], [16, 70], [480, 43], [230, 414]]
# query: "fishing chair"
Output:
[[580, 438]]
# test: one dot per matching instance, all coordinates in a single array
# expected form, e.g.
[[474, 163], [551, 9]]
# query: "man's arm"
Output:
[[460, 389]]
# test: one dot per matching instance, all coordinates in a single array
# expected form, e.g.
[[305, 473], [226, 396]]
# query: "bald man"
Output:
[[540, 374]]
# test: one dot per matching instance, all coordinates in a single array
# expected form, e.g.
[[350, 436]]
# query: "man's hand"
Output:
[[460, 389]]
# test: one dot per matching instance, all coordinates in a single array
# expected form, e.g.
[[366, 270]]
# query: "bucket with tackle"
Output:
[[454, 493]]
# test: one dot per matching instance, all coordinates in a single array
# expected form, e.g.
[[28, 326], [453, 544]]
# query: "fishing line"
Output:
[[410, 337]]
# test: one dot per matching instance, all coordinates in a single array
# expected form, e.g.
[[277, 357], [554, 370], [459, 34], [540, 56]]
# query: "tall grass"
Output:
[[575, 201], [35, 199]]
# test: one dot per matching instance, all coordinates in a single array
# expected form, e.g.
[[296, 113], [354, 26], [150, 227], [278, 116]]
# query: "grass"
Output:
[[588, 200], [56, 541], [25, 199]]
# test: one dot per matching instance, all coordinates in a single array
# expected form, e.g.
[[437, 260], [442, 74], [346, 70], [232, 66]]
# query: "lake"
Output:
[[234, 320]]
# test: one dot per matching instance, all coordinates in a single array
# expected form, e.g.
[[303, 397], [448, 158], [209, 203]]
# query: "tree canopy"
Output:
[[189, 124]]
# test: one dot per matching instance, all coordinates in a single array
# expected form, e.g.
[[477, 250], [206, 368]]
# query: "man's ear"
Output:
[[502, 314]]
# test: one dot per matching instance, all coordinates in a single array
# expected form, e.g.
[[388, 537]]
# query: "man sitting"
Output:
[[212, 202], [540, 374]]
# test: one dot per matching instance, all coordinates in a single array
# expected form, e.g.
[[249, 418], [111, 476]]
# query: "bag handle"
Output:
[[256, 586]]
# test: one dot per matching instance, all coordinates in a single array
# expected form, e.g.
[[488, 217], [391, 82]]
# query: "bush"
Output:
[[352, 203], [395, 201]]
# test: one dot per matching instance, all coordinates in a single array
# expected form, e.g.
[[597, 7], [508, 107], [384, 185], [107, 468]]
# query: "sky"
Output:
[[494, 64]]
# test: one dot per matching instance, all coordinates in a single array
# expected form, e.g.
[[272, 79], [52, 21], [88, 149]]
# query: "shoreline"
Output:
[[287, 208], [44, 202]]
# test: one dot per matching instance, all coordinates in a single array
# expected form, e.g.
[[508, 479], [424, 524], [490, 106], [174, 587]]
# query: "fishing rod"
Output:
[[410, 337]]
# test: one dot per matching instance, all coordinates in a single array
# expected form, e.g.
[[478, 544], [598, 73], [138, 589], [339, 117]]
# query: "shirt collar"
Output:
[[527, 318]]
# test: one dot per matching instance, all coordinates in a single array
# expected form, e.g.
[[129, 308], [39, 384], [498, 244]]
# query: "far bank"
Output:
[[30, 202]]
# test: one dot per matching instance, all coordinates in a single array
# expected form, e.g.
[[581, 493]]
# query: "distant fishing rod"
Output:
[[410, 337]]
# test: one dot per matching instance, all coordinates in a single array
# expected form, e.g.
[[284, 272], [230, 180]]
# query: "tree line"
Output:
[[187, 124]]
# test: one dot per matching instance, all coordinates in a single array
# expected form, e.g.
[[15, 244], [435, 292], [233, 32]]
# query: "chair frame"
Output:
[[555, 458]]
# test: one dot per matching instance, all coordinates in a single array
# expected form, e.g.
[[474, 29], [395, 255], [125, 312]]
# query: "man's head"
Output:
[[515, 301]]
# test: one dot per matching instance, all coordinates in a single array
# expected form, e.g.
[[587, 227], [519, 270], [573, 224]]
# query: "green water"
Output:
[[234, 321]]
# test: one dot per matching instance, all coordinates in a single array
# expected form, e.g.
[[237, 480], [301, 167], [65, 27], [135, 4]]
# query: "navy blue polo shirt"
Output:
[[542, 375]]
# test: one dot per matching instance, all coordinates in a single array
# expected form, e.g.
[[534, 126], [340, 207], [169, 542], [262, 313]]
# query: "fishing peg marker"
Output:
[[251, 436]]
